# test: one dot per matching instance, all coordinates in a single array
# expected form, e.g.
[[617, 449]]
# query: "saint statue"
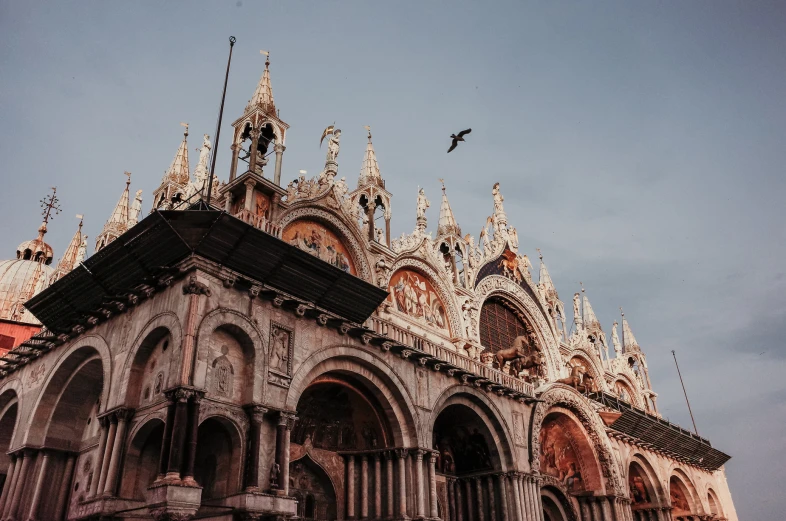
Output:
[[577, 309], [82, 251], [615, 340], [422, 204], [333, 145], [498, 209]]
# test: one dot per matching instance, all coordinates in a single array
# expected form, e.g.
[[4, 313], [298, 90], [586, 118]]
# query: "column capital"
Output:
[[388, 455], [250, 183], [124, 414], [279, 148], [419, 453], [401, 453], [287, 419], [255, 412]]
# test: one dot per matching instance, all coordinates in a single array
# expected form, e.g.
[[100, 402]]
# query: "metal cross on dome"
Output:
[[50, 204]]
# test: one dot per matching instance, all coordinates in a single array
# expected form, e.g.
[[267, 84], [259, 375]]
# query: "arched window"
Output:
[[500, 325]]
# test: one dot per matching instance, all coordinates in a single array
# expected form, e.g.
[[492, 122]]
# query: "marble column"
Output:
[[479, 500], [586, 512], [180, 398], [364, 487], [11, 484], [536, 482], [233, 168], [250, 184], [470, 504], [166, 442], [38, 488], [389, 483], [420, 499], [516, 498], [459, 502], [286, 421], [597, 515], [401, 455], [122, 416], [279, 148], [350, 487], [20, 484], [525, 512], [492, 499], [107, 459], [503, 497], [377, 486], [192, 432], [526, 493], [104, 428], [65, 486], [256, 415], [451, 488], [9, 479], [432, 485]]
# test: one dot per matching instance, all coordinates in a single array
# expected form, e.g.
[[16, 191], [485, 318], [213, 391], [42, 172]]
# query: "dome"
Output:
[[20, 280], [36, 249]]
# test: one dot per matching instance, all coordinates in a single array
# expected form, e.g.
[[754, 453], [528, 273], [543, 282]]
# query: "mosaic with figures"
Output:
[[316, 239], [415, 296]]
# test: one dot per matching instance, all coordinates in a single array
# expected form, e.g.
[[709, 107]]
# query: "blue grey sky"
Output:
[[640, 145]]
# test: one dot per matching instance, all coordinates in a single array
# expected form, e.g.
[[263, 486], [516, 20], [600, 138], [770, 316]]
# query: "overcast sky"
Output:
[[640, 145]]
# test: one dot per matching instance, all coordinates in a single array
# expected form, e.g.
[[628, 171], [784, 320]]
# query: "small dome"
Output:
[[36, 250], [20, 280]]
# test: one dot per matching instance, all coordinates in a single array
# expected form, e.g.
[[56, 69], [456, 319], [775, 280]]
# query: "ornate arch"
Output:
[[497, 285], [635, 391], [488, 413], [171, 323], [444, 290], [660, 497], [712, 497], [352, 241], [82, 351], [566, 397], [593, 369], [694, 501], [380, 379], [253, 342]]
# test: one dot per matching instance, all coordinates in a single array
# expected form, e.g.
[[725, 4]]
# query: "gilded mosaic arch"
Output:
[[496, 285], [380, 379], [564, 396], [444, 291], [349, 239]]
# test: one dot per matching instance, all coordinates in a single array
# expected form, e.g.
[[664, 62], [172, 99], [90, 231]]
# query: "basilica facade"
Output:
[[251, 349]]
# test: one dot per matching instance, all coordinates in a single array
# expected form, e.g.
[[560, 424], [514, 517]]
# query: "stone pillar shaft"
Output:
[[389, 483], [177, 444], [492, 499], [516, 499], [420, 500], [43, 475], [459, 502], [65, 486], [11, 485], [479, 500], [19, 486], [402, 484], [503, 497], [163, 462], [285, 423], [432, 485], [279, 159], [117, 448], [191, 437], [377, 487], [233, 169], [106, 460], [470, 505], [364, 487], [252, 473], [9, 479], [350, 487]]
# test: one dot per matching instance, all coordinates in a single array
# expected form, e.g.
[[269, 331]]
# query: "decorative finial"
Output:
[[582, 286], [184, 125], [267, 57], [50, 204], [443, 184], [128, 181], [81, 220], [622, 312], [368, 129], [540, 254]]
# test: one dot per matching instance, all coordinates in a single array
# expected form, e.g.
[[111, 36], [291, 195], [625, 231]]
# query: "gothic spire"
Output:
[[70, 258], [263, 95], [447, 222], [588, 314], [628, 340], [545, 282], [369, 170], [117, 223], [179, 169], [136, 207]]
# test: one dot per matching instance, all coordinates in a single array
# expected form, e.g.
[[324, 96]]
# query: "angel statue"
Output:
[[615, 340], [422, 204]]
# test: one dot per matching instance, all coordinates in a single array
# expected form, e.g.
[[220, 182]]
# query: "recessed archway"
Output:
[[556, 506], [9, 409], [142, 460], [218, 462], [680, 497], [567, 458], [311, 485]]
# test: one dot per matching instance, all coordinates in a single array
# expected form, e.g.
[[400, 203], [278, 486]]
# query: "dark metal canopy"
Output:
[[662, 434], [163, 239]]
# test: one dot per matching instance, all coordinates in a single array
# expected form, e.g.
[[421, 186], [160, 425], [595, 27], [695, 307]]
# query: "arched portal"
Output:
[[679, 497], [218, 462], [556, 506], [9, 409], [642, 491], [567, 459], [465, 444], [311, 485], [141, 463], [715, 505]]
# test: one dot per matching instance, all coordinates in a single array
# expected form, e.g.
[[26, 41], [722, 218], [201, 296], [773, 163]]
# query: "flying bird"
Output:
[[458, 138]]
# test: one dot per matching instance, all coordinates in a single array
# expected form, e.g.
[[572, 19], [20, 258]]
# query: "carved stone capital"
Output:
[[256, 413], [287, 419], [401, 453]]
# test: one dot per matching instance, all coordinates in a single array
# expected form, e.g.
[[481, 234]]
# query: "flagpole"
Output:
[[232, 41], [685, 393]]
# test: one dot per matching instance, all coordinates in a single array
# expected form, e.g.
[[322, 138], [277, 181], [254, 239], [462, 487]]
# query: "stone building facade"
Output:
[[277, 354]]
